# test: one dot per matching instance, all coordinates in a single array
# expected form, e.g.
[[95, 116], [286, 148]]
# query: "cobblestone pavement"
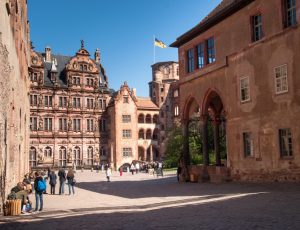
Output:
[[145, 202]]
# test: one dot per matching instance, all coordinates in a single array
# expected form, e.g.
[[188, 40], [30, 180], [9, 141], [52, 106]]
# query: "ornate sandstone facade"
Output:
[[239, 70], [76, 120], [14, 85], [68, 119]]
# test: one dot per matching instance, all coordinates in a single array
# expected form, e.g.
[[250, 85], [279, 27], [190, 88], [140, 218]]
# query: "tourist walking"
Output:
[[71, 181], [40, 188], [108, 173], [52, 182], [62, 179]]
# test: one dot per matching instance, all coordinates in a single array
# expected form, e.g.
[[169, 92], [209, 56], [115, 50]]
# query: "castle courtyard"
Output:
[[142, 201]]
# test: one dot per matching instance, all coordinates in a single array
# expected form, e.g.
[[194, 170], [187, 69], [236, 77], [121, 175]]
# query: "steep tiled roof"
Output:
[[62, 61], [145, 103], [222, 11]]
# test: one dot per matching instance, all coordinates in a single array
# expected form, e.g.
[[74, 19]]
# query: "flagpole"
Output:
[[153, 49]]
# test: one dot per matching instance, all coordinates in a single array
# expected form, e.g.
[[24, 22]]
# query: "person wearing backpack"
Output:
[[71, 181], [62, 179], [40, 188]]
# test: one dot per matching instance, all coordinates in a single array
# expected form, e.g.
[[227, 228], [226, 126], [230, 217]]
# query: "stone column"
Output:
[[204, 119], [151, 153], [186, 151], [217, 140], [145, 155]]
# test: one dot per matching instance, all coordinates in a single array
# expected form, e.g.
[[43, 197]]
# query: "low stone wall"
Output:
[[214, 174], [264, 176]]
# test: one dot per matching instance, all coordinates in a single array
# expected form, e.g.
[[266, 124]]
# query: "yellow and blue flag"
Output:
[[159, 43]]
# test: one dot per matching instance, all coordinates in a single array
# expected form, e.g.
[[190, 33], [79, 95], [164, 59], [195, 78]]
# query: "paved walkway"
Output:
[[145, 202]]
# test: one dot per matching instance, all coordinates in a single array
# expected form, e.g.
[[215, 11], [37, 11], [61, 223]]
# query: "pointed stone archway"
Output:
[[209, 121], [212, 111], [190, 112]]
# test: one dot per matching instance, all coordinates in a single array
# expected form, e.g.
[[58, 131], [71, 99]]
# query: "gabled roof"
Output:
[[145, 103], [222, 11]]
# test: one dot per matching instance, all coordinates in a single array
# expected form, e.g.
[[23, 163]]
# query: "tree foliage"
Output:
[[175, 144]]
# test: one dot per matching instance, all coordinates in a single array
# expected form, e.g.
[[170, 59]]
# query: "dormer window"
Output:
[[34, 76], [76, 80], [83, 67]]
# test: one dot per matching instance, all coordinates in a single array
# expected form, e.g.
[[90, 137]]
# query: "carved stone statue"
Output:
[[96, 126], [40, 123], [70, 124], [69, 102], [96, 103], [69, 81], [96, 83], [41, 79], [69, 158], [41, 100]]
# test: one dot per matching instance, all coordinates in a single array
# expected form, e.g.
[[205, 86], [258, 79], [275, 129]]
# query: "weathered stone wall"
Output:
[[266, 112], [14, 106]]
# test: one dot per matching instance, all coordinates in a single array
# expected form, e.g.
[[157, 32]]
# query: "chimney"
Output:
[[97, 56], [48, 54], [53, 71], [133, 91]]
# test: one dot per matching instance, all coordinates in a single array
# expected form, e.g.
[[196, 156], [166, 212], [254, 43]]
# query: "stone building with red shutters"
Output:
[[239, 70]]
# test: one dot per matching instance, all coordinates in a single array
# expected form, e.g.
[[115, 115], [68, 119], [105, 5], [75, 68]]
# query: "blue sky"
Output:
[[122, 29]]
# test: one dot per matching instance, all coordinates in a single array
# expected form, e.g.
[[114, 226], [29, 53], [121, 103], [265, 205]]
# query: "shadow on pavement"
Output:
[[261, 211], [169, 187]]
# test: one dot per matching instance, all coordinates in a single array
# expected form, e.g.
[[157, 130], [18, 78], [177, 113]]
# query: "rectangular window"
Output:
[[127, 152], [200, 52], [211, 51], [90, 103], [248, 144], [90, 125], [76, 81], [190, 56], [244, 89], [102, 125], [285, 142], [62, 124], [76, 102], [126, 133], [76, 125], [126, 118], [176, 111], [33, 124], [257, 28], [290, 17], [89, 82], [33, 100], [34, 77], [102, 103], [48, 124], [281, 81], [125, 99], [62, 102], [48, 101]]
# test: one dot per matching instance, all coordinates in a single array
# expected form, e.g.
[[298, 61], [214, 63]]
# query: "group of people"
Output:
[[36, 182], [63, 177]]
